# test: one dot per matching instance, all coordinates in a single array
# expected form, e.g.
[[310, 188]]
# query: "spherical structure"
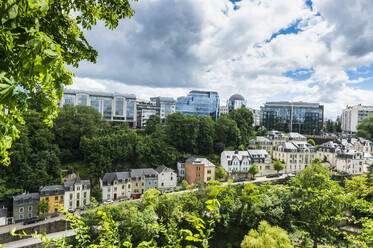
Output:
[[236, 97]]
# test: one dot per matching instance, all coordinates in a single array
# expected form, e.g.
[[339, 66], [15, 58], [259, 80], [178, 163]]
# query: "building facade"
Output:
[[351, 162], [167, 179], [199, 170], [25, 206], [223, 110], [113, 107], [236, 101], [144, 110], [328, 151], [204, 103], [235, 161], [263, 160], [137, 184], [150, 177], [302, 117], [166, 105], [116, 185], [352, 116], [77, 193], [54, 195], [3, 216], [260, 142]]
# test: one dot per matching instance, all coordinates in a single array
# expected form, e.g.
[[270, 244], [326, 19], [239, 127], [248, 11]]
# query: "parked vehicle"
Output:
[[31, 221], [271, 175], [108, 202], [71, 211], [55, 214]]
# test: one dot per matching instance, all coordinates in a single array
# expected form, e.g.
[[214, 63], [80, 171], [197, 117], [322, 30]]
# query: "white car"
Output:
[[108, 202]]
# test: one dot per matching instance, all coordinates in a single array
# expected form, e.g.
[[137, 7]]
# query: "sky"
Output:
[[266, 50]]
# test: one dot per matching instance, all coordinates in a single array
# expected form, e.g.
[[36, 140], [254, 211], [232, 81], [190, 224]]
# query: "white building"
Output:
[[167, 105], [296, 137], [235, 161], [3, 216], [353, 115], [112, 106], [263, 160], [351, 162], [256, 116], [167, 179], [262, 143], [181, 168], [223, 110], [77, 193], [295, 155], [116, 185], [328, 151]]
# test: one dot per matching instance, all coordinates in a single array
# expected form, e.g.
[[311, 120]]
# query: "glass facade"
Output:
[[82, 100], [298, 117], [167, 105], [204, 103], [130, 112], [69, 99], [119, 106], [235, 102], [108, 106]]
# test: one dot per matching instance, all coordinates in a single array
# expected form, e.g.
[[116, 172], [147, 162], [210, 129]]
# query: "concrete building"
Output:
[[301, 117], [256, 117], [235, 161], [263, 160], [54, 195], [25, 206], [199, 170], [167, 179], [296, 137], [223, 110], [137, 184], [77, 193], [116, 185], [352, 116], [236, 101], [204, 103], [167, 105], [295, 155], [145, 109], [112, 106], [3, 216], [328, 151], [149, 175], [260, 142], [351, 162]]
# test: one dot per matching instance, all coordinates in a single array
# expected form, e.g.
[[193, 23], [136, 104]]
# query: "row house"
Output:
[[167, 179], [116, 185], [327, 152], [199, 170], [3, 216], [25, 206], [351, 162], [261, 143], [181, 167], [295, 155], [276, 138], [77, 193], [296, 137], [263, 160], [54, 195]]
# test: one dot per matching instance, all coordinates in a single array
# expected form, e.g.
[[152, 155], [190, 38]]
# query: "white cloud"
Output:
[[172, 46]]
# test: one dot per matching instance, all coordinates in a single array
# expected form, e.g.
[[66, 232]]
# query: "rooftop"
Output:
[[236, 97]]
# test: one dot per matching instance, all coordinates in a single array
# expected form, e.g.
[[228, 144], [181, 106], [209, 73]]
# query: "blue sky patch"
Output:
[[309, 4], [292, 29], [300, 74]]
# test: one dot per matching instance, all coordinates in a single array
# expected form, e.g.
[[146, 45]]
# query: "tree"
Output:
[[227, 132], [266, 236], [43, 207], [152, 124], [365, 128], [73, 123], [278, 165], [219, 147], [312, 142], [205, 137], [37, 40], [359, 186], [253, 170], [220, 173], [244, 120]]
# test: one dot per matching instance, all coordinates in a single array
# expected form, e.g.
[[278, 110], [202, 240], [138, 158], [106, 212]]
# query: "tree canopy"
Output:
[[365, 128], [38, 38]]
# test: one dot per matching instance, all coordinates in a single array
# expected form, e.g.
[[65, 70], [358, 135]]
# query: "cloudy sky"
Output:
[[266, 50]]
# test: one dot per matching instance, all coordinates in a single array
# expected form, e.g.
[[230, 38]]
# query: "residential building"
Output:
[[112, 106], [3, 216], [235, 161], [145, 109], [352, 116], [263, 160], [260, 142], [328, 151], [137, 184], [277, 138], [236, 101], [351, 162], [204, 103], [167, 179], [181, 167], [167, 105], [296, 137], [25, 206], [116, 185], [77, 193], [295, 155], [150, 177], [256, 116], [223, 110], [307, 118], [54, 195], [199, 170]]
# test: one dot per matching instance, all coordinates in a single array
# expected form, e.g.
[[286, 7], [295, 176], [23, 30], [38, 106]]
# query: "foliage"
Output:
[[253, 170], [227, 132], [359, 186], [244, 120], [220, 173], [365, 128], [311, 141], [38, 38], [266, 236], [333, 127], [152, 124], [43, 206], [278, 165]]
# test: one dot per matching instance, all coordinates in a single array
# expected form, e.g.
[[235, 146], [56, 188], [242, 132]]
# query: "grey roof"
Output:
[[191, 159], [97, 93], [163, 168], [25, 197], [259, 139], [52, 190], [143, 172], [237, 97], [296, 136], [77, 180], [3, 212], [108, 178], [163, 99]]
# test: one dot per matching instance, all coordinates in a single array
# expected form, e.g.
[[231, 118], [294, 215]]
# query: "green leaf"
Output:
[[13, 12]]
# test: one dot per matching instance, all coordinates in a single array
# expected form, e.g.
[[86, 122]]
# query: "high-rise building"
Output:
[[167, 105], [204, 103], [353, 115], [112, 106], [256, 116], [236, 101], [145, 109], [301, 117]]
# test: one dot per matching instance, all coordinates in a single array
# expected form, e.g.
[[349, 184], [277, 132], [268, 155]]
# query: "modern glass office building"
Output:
[[205, 103], [113, 107], [301, 117], [236, 101], [167, 105]]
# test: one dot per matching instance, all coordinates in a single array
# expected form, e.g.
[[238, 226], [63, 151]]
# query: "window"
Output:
[[29, 208], [171, 178], [108, 190], [122, 186], [56, 198], [78, 195], [208, 171], [21, 210], [71, 188], [85, 194], [108, 196], [78, 188], [71, 204], [162, 184], [85, 186], [21, 216], [137, 184], [71, 196], [129, 185], [115, 188]]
